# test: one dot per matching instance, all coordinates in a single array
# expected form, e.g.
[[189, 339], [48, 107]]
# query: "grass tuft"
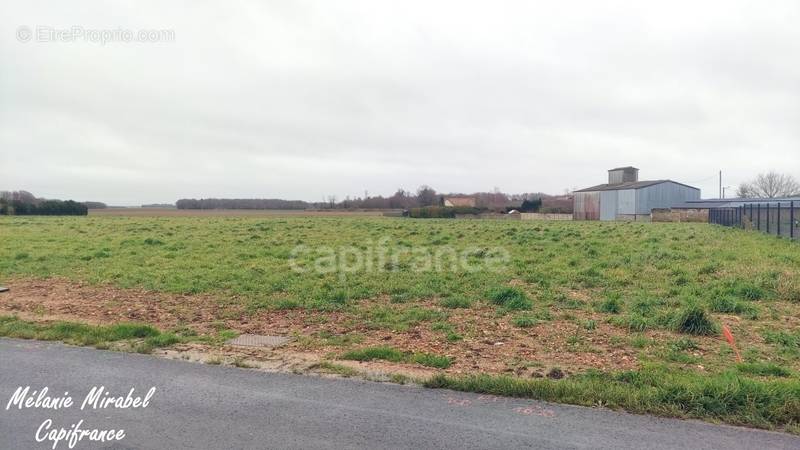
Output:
[[393, 355], [455, 302], [524, 321], [694, 320], [510, 298], [611, 306]]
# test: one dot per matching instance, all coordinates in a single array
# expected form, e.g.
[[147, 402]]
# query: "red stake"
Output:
[[729, 337]]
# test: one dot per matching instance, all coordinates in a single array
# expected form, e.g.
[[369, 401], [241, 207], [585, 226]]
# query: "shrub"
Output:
[[510, 298], [442, 212], [694, 320]]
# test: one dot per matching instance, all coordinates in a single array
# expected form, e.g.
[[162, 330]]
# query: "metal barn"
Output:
[[624, 197]]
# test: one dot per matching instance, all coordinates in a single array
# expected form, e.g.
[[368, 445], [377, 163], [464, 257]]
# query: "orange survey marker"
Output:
[[729, 337]]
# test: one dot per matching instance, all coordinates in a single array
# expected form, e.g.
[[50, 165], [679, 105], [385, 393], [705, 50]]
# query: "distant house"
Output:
[[459, 201], [624, 197]]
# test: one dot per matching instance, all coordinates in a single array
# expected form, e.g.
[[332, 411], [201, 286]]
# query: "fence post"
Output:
[[779, 219], [791, 220], [767, 218], [759, 217]]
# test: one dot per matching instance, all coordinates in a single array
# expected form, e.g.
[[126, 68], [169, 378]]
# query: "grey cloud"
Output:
[[306, 99]]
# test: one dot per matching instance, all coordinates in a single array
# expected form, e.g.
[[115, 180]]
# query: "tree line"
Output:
[[23, 203], [424, 196], [240, 203]]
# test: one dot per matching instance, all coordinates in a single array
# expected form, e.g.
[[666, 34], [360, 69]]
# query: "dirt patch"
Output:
[[486, 342], [60, 299]]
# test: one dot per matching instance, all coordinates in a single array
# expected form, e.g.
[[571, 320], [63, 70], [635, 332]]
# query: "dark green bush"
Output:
[[442, 212]]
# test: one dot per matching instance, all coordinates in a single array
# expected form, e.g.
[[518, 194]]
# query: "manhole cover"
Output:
[[256, 340]]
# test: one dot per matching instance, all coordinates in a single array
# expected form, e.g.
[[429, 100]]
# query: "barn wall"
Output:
[[608, 205], [627, 202], [663, 195], [586, 206]]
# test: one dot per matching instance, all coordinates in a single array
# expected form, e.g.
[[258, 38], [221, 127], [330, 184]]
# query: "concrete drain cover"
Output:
[[256, 340]]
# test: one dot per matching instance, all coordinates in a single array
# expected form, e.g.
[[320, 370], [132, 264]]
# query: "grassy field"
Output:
[[619, 314]]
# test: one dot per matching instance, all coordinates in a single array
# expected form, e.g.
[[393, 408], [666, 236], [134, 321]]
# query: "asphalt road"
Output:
[[202, 406]]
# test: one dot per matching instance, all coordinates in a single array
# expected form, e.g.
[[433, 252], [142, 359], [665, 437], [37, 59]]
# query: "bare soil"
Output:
[[490, 344]]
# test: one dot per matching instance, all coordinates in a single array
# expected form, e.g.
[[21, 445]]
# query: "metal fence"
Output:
[[777, 218]]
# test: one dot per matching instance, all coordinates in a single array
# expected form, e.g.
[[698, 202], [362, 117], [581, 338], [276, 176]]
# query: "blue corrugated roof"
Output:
[[630, 185]]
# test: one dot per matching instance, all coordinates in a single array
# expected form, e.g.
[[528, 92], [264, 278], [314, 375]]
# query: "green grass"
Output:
[[455, 302], [612, 306], [394, 355], [727, 397], [249, 257], [763, 369], [730, 304], [399, 319], [661, 288], [524, 321], [337, 369], [146, 337], [694, 320], [510, 298]]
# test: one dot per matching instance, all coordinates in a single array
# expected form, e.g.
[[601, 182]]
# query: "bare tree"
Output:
[[426, 196], [769, 185]]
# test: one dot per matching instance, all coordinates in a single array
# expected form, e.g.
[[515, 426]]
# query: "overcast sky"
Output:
[[303, 100]]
